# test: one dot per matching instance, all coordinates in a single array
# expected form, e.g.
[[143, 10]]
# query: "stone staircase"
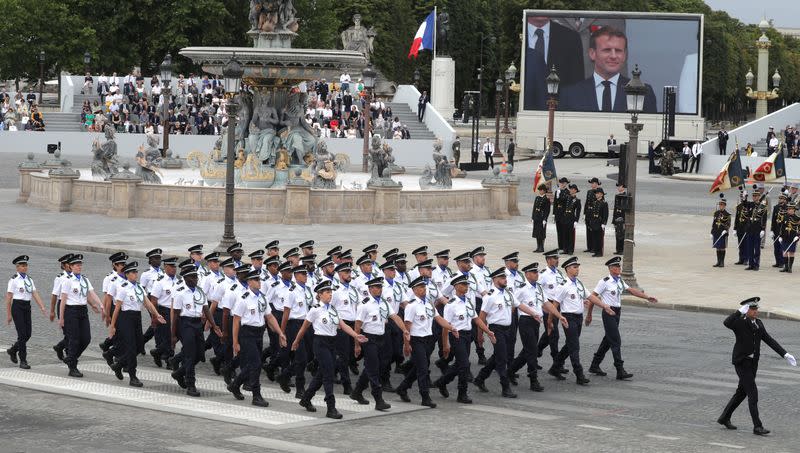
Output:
[[418, 131], [68, 121]]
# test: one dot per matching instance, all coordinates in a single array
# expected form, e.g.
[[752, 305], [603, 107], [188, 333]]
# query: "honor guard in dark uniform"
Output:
[[618, 219], [55, 303], [596, 219], [127, 321], [743, 210], [609, 290], [19, 293], [570, 216], [539, 215], [160, 295], [250, 316], [790, 234], [496, 313], [756, 226], [327, 324], [76, 293], [189, 307], [776, 225], [236, 251], [720, 226], [419, 316], [550, 278], [371, 316], [750, 332], [296, 305], [594, 184], [560, 198], [532, 296]]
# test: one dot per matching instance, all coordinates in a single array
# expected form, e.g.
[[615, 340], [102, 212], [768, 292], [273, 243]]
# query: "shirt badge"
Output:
[[188, 306], [572, 296], [324, 320], [550, 286], [460, 317], [613, 293], [74, 290], [252, 311], [374, 317]]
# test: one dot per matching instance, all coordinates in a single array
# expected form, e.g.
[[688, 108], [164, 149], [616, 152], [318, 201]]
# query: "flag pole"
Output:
[[435, 28]]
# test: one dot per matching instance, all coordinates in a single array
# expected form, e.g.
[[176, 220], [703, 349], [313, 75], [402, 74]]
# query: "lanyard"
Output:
[[197, 291], [138, 291]]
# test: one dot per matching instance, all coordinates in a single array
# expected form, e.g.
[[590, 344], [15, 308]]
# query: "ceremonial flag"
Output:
[[731, 175], [425, 35], [772, 168], [546, 171]]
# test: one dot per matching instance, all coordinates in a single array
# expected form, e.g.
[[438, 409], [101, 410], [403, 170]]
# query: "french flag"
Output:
[[424, 37]]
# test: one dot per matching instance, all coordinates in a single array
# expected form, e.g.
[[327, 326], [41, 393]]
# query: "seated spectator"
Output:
[[36, 122], [398, 133], [149, 128], [88, 121], [396, 124], [116, 121]]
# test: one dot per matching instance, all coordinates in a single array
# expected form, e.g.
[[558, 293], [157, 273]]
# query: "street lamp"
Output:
[[87, 60], [368, 76], [41, 75], [416, 78], [635, 92], [232, 75], [552, 82], [166, 79], [498, 87], [511, 74]]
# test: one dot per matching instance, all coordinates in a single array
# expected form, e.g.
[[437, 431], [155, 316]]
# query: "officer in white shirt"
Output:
[[367, 273], [55, 303], [294, 313], [111, 282], [21, 290], [421, 255], [550, 278], [516, 281], [271, 264], [147, 279], [496, 312], [306, 248], [250, 314], [609, 289], [419, 317], [208, 283], [196, 254], [215, 295], [345, 300], [461, 314], [481, 273], [532, 296], [160, 295], [442, 274], [236, 252], [401, 264], [189, 306], [292, 256], [371, 316], [76, 293], [257, 263], [463, 267], [309, 262], [229, 299], [278, 295], [397, 295], [327, 324], [372, 252], [572, 297], [326, 271], [273, 249]]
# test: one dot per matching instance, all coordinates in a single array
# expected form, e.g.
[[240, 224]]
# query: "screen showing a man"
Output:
[[604, 91], [549, 44]]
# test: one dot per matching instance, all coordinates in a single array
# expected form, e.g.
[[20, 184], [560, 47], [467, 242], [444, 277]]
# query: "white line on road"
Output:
[[280, 445], [717, 444], [511, 412], [599, 428], [660, 437], [195, 448]]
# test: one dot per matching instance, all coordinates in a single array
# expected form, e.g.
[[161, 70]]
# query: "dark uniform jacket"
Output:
[[758, 218], [587, 205], [541, 209], [778, 215], [572, 211], [749, 336], [618, 218], [597, 214], [743, 210], [721, 222], [559, 202], [789, 228]]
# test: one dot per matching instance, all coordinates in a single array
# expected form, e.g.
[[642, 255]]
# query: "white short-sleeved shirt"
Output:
[[360, 282], [420, 314], [324, 319], [345, 300], [209, 284], [460, 313], [516, 280], [482, 275], [441, 276], [107, 281], [373, 315], [21, 287], [77, 290], [57, 282], [149, 276], [251, 308], [610, 290], [189, 301], [231, 296], [571, 295], [220, 288], [113, 286], [394, 293], [131, 295], [498, 304], [433, 292], [475, 287], [532, 296], [300, 300], [282, 294], [162, 289], [550, 278], [403, 277]]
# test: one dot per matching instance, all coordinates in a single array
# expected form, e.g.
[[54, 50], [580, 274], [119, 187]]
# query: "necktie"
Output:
[[606, 96], [539, 46]]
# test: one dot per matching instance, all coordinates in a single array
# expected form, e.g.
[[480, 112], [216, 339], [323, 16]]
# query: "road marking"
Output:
[[732, 377], [599, 428], [511, 412], [677, 388], [578, 409], [698, 381], [583, 399], [195, 448], [657, 436], [718, 444], [779, 374], [280, 445]]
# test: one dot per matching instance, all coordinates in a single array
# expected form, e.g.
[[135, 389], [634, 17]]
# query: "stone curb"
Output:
[[703, 309], [67, 246]]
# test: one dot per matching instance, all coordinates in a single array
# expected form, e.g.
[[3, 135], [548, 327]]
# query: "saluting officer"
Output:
[[719, 231], [778, 217], [76, 292], [189, 306], [609, 289], [55, 303], [539, 215], [295, 308], [327, 324], [532, 296], [496, 312], [790, 233], [618, 218], [743, 210], [345, 300], [21, 290], [250, 314], [160, 295], [596, 219], [127, 321], [750, 332], [460, 313]]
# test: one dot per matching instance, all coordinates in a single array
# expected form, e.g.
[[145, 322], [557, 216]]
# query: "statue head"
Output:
[[322, 147], [357, 19], [152, 141], [109, 132], [376, 141]]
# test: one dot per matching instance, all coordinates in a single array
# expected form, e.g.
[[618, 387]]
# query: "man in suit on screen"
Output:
[[549, 44]]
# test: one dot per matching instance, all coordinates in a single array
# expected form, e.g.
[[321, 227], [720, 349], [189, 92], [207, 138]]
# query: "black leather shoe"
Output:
[[428, 402], [347, 388], [73, 372], [403, 394], [247, 388], [12, 354], [236, 392], [563, 370], [259, 401], [381, 405], [104, 345], [442, 389], [581, 380], [536, 386], [480, 384], [333, 413], [726, 423], [354, 369], [622, 374], [134, 382], [507, 393], [179, 378], [554, 372], [215, 364], [156, 358], [597, 371], [760, 431], [358, 397], [59, 353], [192, 391], [24, 365], [109, 356], [270, 373], [513, 380], [117, 369], [464, 399], [739, 262], [441, 364], [307, 404], [284, 383], [387, 387]]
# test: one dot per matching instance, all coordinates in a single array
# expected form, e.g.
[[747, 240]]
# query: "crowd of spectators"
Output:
[[21, 113]]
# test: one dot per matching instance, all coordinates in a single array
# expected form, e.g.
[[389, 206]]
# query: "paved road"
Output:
[[681, 363]]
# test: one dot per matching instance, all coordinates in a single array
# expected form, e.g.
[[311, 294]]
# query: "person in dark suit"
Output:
[[722, 141], [549, 44], [604, 91], [750, 332]]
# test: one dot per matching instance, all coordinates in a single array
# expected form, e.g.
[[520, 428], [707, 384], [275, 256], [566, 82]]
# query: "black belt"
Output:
[[194, 319], [499, 327], [251, 329], [373, 335], [75, 307], [465, 331], [575, 315], [19, 301]]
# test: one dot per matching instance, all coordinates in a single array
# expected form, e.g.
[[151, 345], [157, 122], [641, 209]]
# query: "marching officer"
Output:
[[790, 232], [111, 283], [756, 225], [531, 295], [160, 295], [550, 279], [539, 215], [273, 248], [216, 295], [743, 211], [327, 325], [236, 251], [76, 292], [295, 308], [278, 295], [570, 215], [229, 299], [719, 231], [55, 303], [345, 301], [196, 255], [560, 199], [147, 278], [594, 184], [618, 218], [778, 217], [596, 219], [750, 332], [609, 290], [21, 290]]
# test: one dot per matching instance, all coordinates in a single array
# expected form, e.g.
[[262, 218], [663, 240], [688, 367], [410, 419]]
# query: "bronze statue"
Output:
[[442, 30]]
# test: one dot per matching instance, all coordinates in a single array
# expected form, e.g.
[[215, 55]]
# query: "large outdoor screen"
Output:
[[594, 53]]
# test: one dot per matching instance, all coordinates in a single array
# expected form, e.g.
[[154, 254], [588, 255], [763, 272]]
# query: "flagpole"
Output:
[[435, 27]]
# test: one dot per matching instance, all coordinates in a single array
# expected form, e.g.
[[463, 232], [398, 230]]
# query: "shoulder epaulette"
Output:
[[181, 288], [292, 287], [605, 279], [125, 284], [275, 284], [221, 280], [491, 291], [366, 299], [452, 299], [245, 294], [234, 286], [563, 283], [160, 277]]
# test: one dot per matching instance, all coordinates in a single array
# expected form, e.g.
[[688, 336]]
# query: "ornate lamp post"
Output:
[[232, 74], [498, 87], [552, 102], [87, 60], [41, 75], [416, 78], [762, 95], [166, 80], [511, 74], [635, 92], [368, 76]]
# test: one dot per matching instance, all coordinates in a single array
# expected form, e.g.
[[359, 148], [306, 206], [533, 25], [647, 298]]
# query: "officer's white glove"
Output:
[[724, 232], [544, 223], [790, 359], [780, 239], [575, 225], [761, 234], [603, 227], [743, 309], [711, 236]]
